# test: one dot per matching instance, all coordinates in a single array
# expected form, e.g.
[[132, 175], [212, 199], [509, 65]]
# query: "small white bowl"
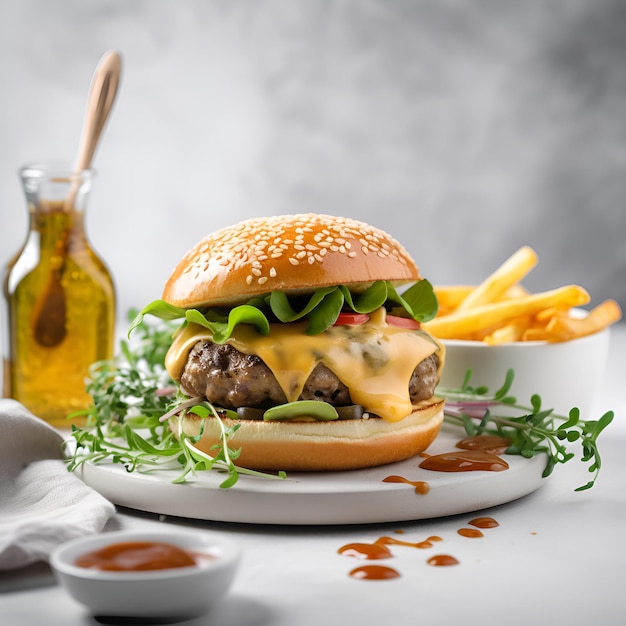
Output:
[[167, 593], [565, 375]]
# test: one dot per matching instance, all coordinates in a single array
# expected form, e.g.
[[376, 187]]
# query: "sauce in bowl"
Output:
[[137, 556]]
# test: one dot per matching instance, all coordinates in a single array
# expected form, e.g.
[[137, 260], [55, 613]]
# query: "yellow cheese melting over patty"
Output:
[[374, 360]]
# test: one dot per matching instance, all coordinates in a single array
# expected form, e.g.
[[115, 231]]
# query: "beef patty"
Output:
[[230, 379]]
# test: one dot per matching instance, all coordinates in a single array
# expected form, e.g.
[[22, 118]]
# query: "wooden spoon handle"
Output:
[[100, 101]]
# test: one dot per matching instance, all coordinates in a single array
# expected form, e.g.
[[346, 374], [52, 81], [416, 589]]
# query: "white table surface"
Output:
[[556, 558]]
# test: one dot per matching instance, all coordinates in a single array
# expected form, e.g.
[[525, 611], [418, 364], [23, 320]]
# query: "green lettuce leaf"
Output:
[[371, 299], [283, 310], [221, 331], [321, 309], [419, 301]]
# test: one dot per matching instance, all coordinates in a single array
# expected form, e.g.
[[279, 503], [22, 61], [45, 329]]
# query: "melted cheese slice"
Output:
[[374, 360]]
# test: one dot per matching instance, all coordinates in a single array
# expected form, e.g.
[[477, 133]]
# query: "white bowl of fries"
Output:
[[555, 348], [565, 375]]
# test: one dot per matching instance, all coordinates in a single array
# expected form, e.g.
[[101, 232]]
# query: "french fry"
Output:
[[508, 274], [547, 314], [463, 323], [509, 333], [566, 328], [450, 296], [515, 291], [538, 333]]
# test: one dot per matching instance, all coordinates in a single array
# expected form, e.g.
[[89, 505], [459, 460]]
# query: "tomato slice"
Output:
[[403, 322], [351, 319]]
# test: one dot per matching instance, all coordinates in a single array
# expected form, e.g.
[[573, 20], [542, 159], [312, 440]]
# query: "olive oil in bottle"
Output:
[[60, 297]]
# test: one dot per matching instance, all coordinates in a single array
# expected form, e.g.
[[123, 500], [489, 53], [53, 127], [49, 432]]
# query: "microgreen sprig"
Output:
[[531, 429], [131, 394]]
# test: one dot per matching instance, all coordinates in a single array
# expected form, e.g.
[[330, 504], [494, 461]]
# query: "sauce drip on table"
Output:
[[378, 549], [374, 572], [472, 533], [367, 551], [442, 560], [484, 522], [478, 522], [420, 545], [136, 556]]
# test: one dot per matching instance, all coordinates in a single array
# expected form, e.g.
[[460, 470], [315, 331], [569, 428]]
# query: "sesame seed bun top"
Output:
[[294, 253]]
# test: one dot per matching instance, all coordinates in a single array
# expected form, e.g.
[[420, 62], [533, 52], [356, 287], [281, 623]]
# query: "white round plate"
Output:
[[353, 497]]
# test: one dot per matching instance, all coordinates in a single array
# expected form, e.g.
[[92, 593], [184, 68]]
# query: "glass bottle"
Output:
[[60, 299]]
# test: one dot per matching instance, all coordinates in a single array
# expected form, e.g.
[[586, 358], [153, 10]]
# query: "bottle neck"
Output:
[[48, 187], [57, 198]]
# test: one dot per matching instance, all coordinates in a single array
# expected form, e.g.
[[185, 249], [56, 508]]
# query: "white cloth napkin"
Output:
[[41, 504]]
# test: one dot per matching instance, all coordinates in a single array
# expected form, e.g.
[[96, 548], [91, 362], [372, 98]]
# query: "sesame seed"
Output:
[[249, 279], [262, 280], [293, 261]]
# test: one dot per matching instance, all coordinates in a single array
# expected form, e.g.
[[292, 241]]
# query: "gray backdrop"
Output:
[[466, 128]]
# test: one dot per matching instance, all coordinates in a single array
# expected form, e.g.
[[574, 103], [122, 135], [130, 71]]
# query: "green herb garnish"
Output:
[[132, 393], [532, 430]]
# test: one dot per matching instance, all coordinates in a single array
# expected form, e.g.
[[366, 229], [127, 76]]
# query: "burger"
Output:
[[303, 333]]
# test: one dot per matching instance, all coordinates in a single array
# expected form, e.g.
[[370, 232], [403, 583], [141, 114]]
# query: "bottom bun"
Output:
[[321, 446]]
